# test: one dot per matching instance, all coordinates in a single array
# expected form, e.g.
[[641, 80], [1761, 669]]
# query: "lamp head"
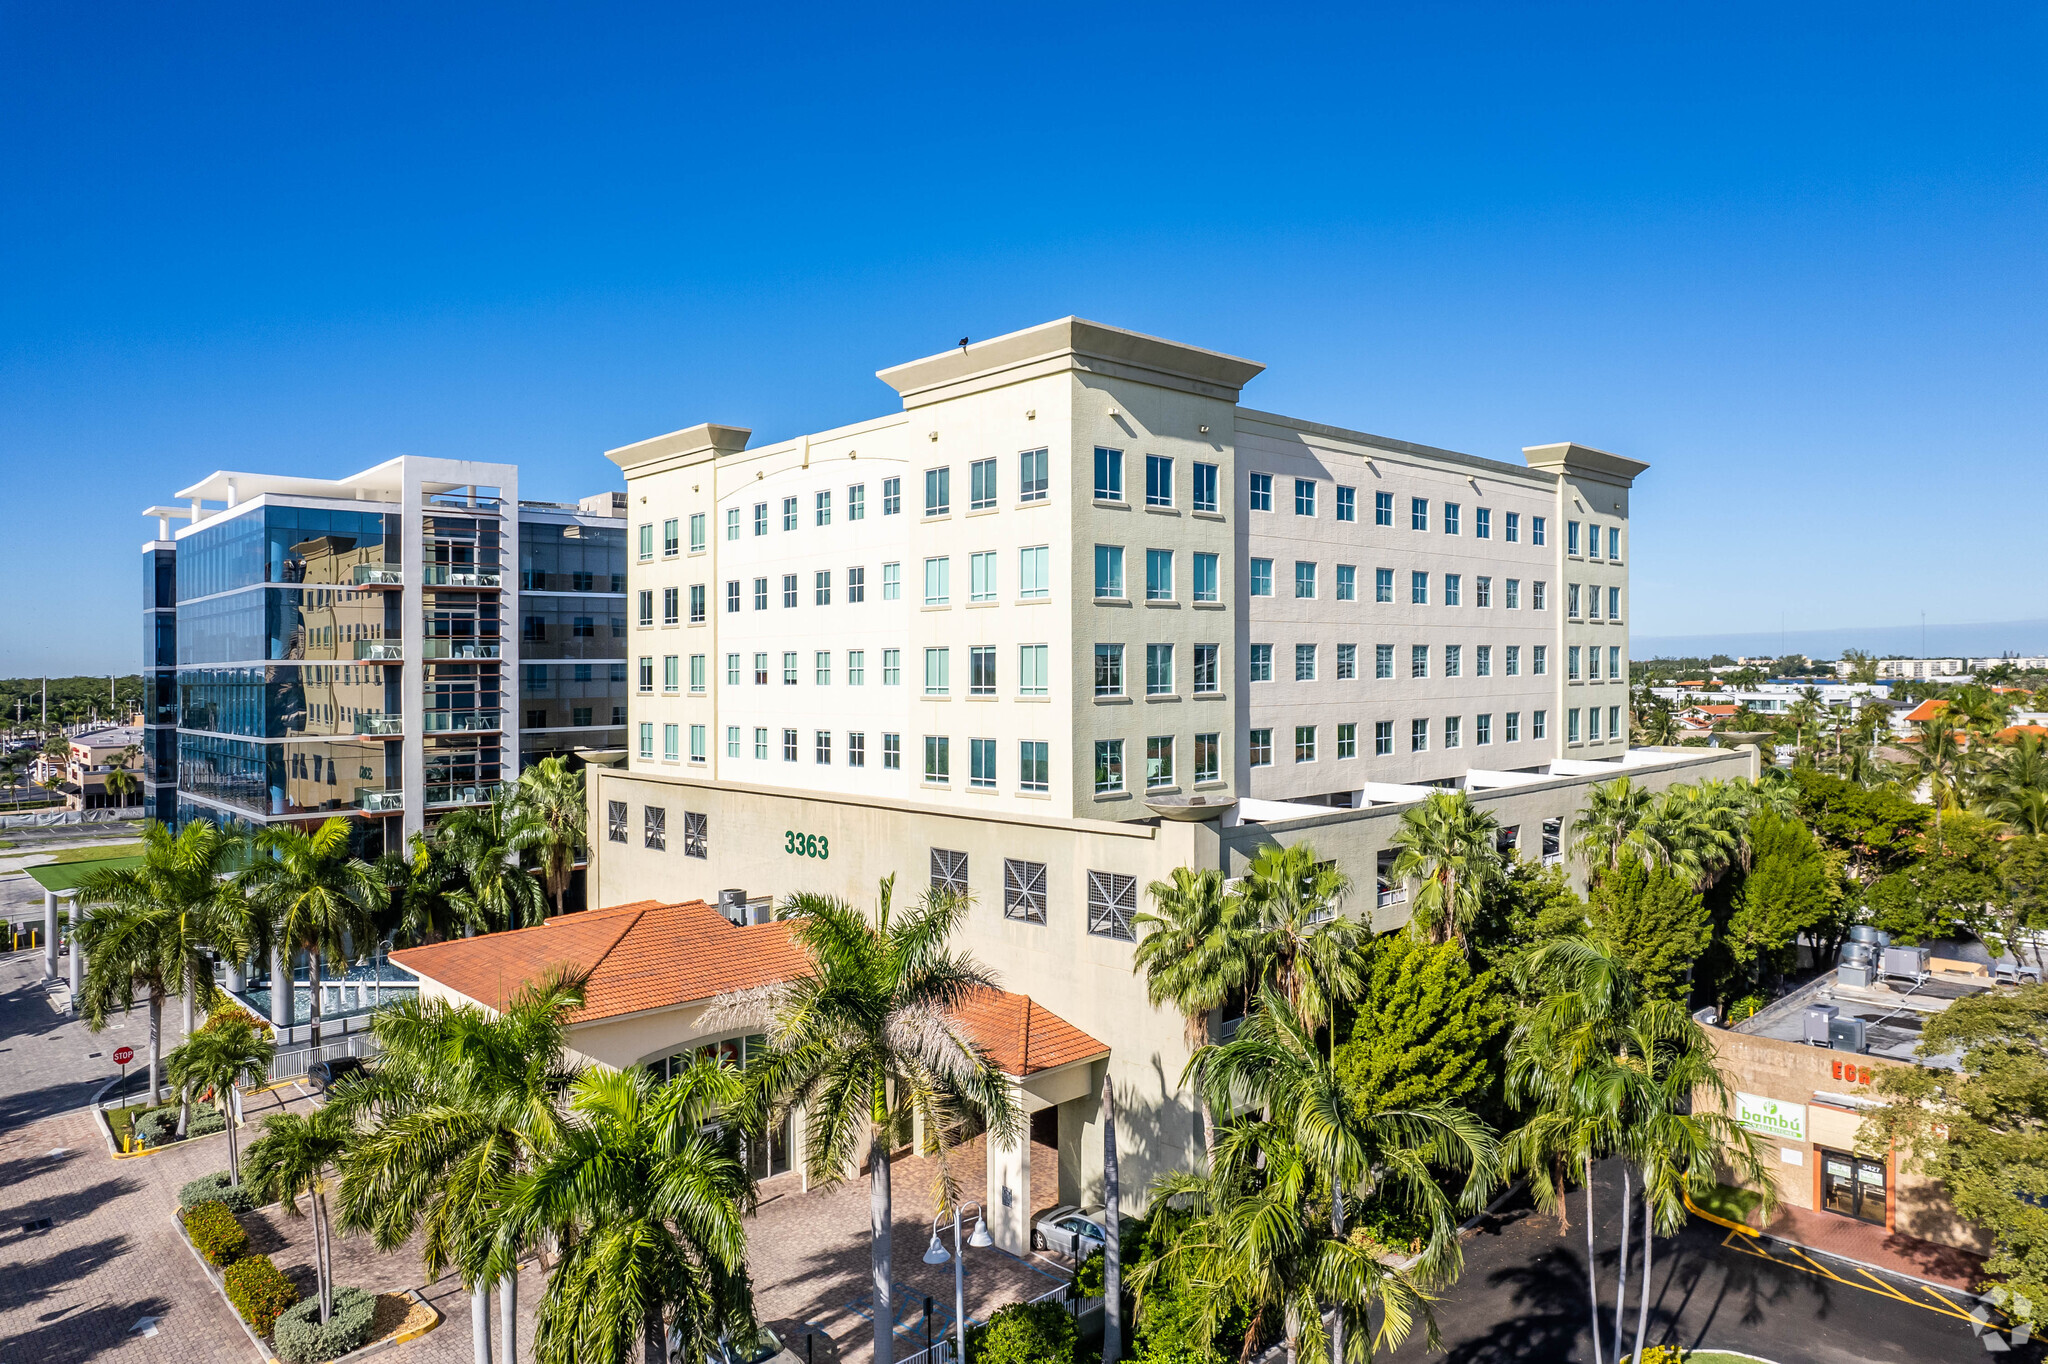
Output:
[[980, 1239], [936, 1254]]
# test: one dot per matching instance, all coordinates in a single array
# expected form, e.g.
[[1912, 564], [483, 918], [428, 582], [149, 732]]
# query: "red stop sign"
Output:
[[123, 1055]]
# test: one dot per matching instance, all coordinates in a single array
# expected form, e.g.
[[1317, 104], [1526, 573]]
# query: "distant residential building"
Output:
[[1777, 698], [84, 771]]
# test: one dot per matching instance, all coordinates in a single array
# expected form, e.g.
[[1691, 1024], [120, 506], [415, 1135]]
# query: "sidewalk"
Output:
[[1875, 1248]]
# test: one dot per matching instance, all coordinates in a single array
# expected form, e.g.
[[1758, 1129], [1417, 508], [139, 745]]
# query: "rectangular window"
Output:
[[1450, 518], [1383, 661], [1158, 575], [1592, 542], [760, 518], [1571, 538], [1539, 659], [789, 668], [1347, 582], [1511, 727], [1347, 503], [1418, 589], [789, 745], [822, 515], [1208, 758], [1454, 731], [1514, 594], [1024, 890], [981, 576], [1206, 681], [1482, 660], [696, 603], [1614, 542], [892, 582], [1535, 530], [646, 673], [1482, 591], [646, 739], [1418, 513], [938, 492], [732, 741], [1513, 661], [788, 590], [1158, 670], [789, 513], [892, 667], [1571, 600], [697, 532], [1204, 492], [615, 821], [1158, 761], [1109, 670], [760, 670], [856, 748], [1347, 662], [1109, 475], [821, 667], [760, 594], [1454, 660], [938, 581], [1383, 509], [671, 539], [732, 595], [1614, 662], [857, 502], [1034, 763], [1614, 603], [1109, 571], [1261, 663], [671, 672], [1571, 725], [1454, 589], [1259, 746], [1592, 724], [1614, 722], [1536, 595], [856, 585], [1304, 662], [1031, 476], [1482, 523], [1418, 660], [892, 496], [646, 542], [1112, 904], [697, 743], [1418, 736], [671, 743], [646, 607], [1109, 765], [856, 667], [1383, 584], [1536, 724], [1262, 492], [654, 827], [1262, 578], [821, 751], [1158, 481], [1032, 665], [981, 486], [697, 674], [1304, 497], [981, 670], [1511, 529], [938, 758], [1034, 573], [1347, 741], [1304, 580], [1205, 577], [892, 752], [1304, 743], [1382, 738], [1593, 663], [938, 668]]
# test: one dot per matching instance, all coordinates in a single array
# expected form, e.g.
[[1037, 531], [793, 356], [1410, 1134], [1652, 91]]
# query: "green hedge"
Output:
[[159, 1126], [1026, 1333], [217, 1188], [215, 1232], [260, 1292], [302, 1338]]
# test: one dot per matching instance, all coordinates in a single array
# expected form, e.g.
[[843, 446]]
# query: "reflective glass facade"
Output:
[[282, 544], [285, 623], [578, 558], [288, 700], [299, 777]]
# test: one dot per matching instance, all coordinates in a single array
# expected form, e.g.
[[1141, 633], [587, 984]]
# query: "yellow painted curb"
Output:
[[1698, 1211], [403, 1336]]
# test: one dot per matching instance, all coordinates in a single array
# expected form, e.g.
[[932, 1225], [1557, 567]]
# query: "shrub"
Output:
[[217, 1188], [260, 1291], [302, 1338], [159, 1126], [1026, 1333], [215, 1232]]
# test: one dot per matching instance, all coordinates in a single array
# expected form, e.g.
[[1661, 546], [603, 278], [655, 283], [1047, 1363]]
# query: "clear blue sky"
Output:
[[1792, 255]]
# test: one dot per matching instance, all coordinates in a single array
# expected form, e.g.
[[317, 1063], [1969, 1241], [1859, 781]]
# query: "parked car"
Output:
[[325, 1075], [1070, 1231], [766, 1348]]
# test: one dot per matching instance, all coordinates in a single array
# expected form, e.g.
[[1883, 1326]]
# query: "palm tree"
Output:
[[316, 896], [1941, 765], [646, 1195], [231, 1050], [1451, 847], [291, 1158], [1196, 951], [421, 889], [1612, 824], [486, 843], [1299, 941], [868, 1032], [464, 1099], [121, 783], [2024, 811], [157, 927], [551, 796]]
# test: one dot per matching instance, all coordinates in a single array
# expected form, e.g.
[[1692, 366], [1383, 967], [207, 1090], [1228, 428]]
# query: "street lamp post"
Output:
[[935, 1254]]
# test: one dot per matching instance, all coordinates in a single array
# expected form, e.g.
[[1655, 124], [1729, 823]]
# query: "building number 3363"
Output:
[[806, 845]]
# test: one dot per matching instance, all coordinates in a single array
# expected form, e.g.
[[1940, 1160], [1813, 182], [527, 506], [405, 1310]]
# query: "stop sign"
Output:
[[123, 1055]]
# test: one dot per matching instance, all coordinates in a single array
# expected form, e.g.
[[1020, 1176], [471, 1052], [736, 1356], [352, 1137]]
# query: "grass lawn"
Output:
[[1734, 1204], [96, 852], [122, 1120], [70, 870]]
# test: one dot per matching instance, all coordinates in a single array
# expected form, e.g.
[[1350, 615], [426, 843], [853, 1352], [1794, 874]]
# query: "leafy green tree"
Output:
[[1611, 825], [1424, 1029], [233, 1049], [1528, 904], [1788, 892], [1879, 829], [1981, 1130], [1950, 885], [1655, 921], [1450, 848], [2023, 907]]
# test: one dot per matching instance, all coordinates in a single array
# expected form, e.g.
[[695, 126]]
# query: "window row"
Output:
[[1450, 660], [1450, 516], [654, 828], [1204, 583], [1571, 540], [1450, 734], [1308, 586], [1591, 599], [1160, 489], [1112, 897], [671, 742]]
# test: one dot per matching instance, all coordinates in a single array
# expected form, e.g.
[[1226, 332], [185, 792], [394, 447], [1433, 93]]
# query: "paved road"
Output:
[[47, 1064], [1523, 1300]]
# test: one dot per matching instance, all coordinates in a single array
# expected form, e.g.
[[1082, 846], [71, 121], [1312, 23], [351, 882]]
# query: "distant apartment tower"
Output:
[[360, 646]]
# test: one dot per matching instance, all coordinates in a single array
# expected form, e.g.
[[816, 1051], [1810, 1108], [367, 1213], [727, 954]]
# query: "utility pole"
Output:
[[46, 701]]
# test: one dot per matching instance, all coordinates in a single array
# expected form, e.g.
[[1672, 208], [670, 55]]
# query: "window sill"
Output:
[[974, 790], [983, 511], [1033, 601], [1112, 601], [929, 697], [1210, 606], [1107, 505], [984, 698], [1210, 696], [1201, 515], [1163, 696], [1033, 700], [982, 605], [936, 785], [936, 606], [1154, 792], [1112, 700], [1040, 501], [1161, 511], [1106, 797], [1034, 795], [1164, 604]]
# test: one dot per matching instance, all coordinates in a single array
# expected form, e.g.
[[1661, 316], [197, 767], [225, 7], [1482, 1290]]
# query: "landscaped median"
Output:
[[233, 1240]]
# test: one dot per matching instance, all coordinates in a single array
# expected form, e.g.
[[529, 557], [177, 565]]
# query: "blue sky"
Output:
[[1791, 255]]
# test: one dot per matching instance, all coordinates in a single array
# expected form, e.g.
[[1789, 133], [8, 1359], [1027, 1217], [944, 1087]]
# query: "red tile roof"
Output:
[[2013, 732], [649, 955], [1925, 711]]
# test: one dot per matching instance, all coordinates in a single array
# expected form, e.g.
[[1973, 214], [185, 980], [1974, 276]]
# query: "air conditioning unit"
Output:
[[1858, 953], [1857, 976], [732, 906], [1863, 933], [1820, 1019], [1906, 963], [1846, 1034]]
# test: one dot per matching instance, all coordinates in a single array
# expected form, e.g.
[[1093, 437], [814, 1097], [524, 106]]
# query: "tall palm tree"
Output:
[[1611, 824], [233, 1049], [486, 842], [551, 797], [1299, 940], [869, 1032], [316, 896], [646, 1194], [1196, 950], [122, 783], [292, 1158], [462, 1101], [158, 926], [422, 885], [1941, 766], [1451, 847]]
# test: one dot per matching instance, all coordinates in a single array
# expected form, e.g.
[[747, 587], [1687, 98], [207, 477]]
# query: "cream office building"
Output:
[[1073, 617]]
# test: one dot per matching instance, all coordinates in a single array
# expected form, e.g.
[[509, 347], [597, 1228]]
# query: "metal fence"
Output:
[[943, 1352], [289, 1064]]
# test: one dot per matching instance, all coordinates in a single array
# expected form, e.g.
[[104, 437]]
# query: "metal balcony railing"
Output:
[[444, 721], [456, 501], [379, 802], [460, 648], [368, 575], [379, 650], [379, 724], [1392, 895], [463, 793], [440, 575]]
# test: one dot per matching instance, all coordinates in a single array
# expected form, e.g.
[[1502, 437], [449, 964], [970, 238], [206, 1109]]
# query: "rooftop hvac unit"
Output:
[[1819, 1019], [1906, 963], [1858, 976], [732, 906], [1863, 933], [1858, 953], [1846, 1034]]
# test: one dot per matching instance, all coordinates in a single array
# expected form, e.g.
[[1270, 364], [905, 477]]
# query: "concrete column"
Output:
[[1009, 1189], [280, 987], [238, 980], [49, 935], [77, 953]]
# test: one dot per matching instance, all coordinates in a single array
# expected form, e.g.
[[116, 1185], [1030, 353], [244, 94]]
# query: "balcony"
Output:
[[463, 793], [380, 651], [1552, 859], [379, 802], [461, 501], [1390, 896], [459, 721], [460, 648], [369, 575], [440, 575], [380, 725]]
